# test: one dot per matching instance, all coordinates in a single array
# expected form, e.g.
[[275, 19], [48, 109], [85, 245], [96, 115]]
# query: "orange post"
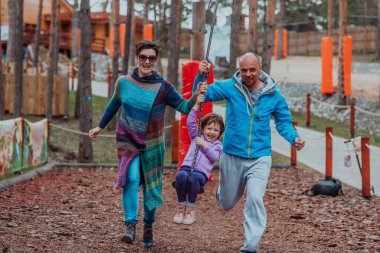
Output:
[[329, 151], [352, 119], [308, 110], [175, 141], [122, 28], [293, 151], [327, 65], [366, 175], [347, 61], [148, 32], [275, 48], [109, 79]]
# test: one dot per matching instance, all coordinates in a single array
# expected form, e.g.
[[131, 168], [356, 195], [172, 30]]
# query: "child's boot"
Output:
[[147, 242], [180, 214], [130, 234], [189, 216]]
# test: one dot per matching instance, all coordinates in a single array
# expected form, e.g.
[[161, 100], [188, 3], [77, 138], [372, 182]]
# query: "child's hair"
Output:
[[213, 118]]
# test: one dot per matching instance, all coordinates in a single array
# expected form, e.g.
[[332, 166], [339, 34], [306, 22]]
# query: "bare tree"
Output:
[[37, 35], [269, 35], [146, 12], [378, 32], [2, 88], [280, 52], [197, 49], [157, 28], [235, 30], [84, 79], [128, 36], [330, 20], [342, 33], [252, 30], [115, 21], [14, 51], [132, 49], [74, 28], [53, 55], [173, 57]]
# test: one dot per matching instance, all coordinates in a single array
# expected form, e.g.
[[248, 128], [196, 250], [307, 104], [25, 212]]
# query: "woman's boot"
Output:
[[130, 234], [147, 242]]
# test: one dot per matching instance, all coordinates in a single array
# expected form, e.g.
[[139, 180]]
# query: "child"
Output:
[[188, 183]]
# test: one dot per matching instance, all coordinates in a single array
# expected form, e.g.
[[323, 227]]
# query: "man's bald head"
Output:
[[249, 56]]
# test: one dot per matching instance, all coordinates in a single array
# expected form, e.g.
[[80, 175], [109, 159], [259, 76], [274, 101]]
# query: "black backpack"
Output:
[[331, 187]]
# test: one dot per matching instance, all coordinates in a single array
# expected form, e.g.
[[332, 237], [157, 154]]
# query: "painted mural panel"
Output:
[[35, 143], [11, 146]]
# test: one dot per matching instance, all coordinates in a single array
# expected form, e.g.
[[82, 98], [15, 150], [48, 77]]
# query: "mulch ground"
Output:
[[76, 210]]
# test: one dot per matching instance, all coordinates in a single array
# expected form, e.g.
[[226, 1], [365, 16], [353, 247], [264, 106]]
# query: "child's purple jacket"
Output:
[[206, 158]]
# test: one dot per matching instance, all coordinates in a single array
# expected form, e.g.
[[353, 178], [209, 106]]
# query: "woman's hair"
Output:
[[213, 118], [145, 44]]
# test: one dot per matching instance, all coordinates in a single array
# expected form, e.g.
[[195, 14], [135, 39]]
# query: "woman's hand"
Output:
[[200, 99], [93, 133]]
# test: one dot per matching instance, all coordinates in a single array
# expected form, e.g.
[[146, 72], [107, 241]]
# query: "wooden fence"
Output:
[[309, 43], [34, 94]]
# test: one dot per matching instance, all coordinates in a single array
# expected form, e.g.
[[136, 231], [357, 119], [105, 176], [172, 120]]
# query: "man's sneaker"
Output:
[[180, 214], [189, 216], [130, 234]]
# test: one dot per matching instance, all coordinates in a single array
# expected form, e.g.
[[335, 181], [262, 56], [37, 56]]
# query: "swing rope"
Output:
[[201, 190]]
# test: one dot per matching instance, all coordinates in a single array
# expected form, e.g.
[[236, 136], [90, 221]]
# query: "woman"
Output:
[[142, 96]]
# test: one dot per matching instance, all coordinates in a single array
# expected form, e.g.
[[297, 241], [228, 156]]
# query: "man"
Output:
[[252, 98]]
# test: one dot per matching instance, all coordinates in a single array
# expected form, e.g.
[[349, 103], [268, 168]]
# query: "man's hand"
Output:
[[299, 143], [204, 67], [200, 142]]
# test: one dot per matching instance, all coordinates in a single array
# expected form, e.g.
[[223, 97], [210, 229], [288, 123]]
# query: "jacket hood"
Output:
[[269, 83]]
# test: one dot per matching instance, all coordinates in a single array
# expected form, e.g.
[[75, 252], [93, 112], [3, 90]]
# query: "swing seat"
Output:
[[201, 190]]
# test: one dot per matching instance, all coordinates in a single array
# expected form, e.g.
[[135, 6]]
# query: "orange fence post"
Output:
[[366, 175], [329, 151], [72, 75], [93, 70], [109, 79], [293, 151], [285, 42], [308, 110], [352, 119], [148, 32], [347, 60], [327, 65], [175, 140]]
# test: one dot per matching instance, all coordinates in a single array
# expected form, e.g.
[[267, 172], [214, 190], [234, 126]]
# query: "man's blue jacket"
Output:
[[248, 133]]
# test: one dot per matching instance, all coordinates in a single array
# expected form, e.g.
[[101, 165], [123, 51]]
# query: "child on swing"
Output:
[[188, 181]]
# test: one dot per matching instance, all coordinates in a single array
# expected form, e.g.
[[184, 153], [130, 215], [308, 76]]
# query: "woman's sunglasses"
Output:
[[151, 58]]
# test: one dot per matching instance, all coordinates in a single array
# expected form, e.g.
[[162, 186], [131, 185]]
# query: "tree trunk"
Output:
[[115, 21], [330, 20], [52, 60], [157, 31], [235, 31], [2, 98], [280, 52], [269, 35], [173, 59], [378, 32], [252, 30], [74, 28], [197, 49], [146, 12], [37, 35], [84, 78], [342, 33], [15, 50], [132, 49], [128, 36]]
